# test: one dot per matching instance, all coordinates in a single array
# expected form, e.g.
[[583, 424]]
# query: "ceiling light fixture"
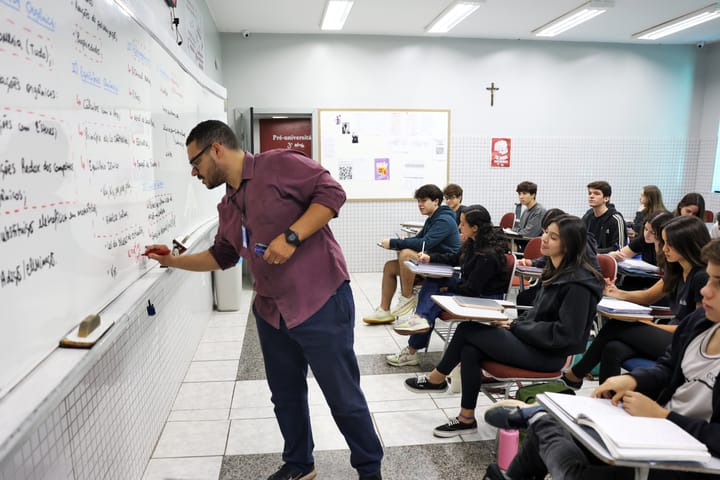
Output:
[[675, 25], [335, 14], [573, 18], [455, 13]]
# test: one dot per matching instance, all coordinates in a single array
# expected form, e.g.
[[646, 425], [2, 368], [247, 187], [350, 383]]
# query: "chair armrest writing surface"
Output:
[[449, 304], [591, 440]]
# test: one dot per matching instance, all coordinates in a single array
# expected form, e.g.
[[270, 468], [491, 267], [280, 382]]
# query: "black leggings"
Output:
[[616, 342], [474, 342]]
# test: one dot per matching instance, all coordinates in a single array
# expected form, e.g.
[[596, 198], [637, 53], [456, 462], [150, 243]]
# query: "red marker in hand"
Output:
[[157, 251]]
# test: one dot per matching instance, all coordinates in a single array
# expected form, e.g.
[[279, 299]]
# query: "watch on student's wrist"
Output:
[[292, 238]]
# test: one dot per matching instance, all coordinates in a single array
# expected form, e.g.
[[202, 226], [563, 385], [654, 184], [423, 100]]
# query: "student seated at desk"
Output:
[[650, 202], [529, 224], [683, 240], [438, 235], [691, 204], [557, 326], [647, 245], [484, 273], [527, 296], [605, 223], [683, 387], [453, 194]]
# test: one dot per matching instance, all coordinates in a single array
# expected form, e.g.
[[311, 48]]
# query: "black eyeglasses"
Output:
[[196, 159]]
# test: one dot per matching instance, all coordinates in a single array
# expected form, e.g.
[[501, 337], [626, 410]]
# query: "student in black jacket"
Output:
[[683, 387], [557, 326], [484, 273], [602, 221]]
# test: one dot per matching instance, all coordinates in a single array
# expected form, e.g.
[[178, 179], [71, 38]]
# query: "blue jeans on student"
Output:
[[325, 342], [430, 310]]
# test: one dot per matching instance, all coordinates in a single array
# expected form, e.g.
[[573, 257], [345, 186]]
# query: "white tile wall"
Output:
[[108, 425]]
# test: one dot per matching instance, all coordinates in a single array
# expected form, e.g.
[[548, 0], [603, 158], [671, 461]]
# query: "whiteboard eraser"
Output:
[[86, 327]]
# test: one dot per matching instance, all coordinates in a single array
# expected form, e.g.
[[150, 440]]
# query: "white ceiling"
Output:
[[503, 19]]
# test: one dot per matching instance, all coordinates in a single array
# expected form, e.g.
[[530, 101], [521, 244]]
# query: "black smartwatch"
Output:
[[292, 238]]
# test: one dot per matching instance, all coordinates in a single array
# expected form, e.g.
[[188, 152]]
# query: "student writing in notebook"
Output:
[[483, 273], [683, 240], [557, 326], [647, 246], [683, 387], [439, 235]]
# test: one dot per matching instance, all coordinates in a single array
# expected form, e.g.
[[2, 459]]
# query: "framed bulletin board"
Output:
[[384, 154]]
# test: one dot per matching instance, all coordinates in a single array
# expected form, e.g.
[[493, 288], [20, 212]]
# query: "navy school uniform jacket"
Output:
[[440, 234]]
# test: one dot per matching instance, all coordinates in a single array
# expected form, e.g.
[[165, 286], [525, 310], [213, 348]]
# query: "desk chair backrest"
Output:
[[709, 216], [532, 249], [511, 263], [507, 220], [608, 266]]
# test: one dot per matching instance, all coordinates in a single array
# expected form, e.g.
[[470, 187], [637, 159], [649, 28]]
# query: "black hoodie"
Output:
[[562, 314]]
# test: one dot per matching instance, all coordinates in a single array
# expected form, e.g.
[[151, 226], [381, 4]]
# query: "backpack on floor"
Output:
[[527, 394]]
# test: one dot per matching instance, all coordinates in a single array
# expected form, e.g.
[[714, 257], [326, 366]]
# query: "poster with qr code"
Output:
[[384, 154]]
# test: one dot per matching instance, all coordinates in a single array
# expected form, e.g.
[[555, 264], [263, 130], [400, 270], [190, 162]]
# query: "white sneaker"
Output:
[[413, 324], [403, 358], [379, 316], [403, 306]]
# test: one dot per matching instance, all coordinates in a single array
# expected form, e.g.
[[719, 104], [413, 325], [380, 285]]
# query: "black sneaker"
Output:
[[288, 472], [511, 417], [493, 472], [422, 384], [569, 383], [455, 427]]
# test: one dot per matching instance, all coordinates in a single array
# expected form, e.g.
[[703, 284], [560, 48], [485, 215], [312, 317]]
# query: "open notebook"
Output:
[[627, 437]]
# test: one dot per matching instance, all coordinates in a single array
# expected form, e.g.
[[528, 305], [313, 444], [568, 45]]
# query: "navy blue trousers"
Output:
[[325, 342]]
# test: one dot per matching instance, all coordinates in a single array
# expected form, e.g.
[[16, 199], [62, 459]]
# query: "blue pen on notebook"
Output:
[[260, 248]]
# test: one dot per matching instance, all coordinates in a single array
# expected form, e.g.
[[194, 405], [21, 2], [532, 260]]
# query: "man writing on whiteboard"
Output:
[[304, 308], [682, 387]]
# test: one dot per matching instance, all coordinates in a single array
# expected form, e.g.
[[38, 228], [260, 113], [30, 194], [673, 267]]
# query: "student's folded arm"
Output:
[[445, 258]]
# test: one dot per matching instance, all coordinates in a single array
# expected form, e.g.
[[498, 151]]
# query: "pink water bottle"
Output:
[[507, 447]]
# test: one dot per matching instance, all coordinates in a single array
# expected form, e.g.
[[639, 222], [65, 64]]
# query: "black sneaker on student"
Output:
[[569, 383], [421, 384], [288, 472], [493, 472], [455, 427], [511, 416]]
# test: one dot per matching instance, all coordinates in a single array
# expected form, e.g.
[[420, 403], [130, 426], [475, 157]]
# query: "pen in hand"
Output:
[[422, 250]]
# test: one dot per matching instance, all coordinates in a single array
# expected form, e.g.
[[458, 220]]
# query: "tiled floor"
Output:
[[222, 424]]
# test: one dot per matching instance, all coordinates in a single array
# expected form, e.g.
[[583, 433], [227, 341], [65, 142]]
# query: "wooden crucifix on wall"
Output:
[[492, 88]]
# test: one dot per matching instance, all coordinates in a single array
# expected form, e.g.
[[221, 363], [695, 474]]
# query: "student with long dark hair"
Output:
[[557, 326], [484, 273], [691, 204], [683, 240]]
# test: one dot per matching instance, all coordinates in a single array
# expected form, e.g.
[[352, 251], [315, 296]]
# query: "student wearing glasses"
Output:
[[303, 306]]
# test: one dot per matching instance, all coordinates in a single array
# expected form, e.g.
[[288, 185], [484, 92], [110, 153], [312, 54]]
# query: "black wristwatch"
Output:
[[292, 238]]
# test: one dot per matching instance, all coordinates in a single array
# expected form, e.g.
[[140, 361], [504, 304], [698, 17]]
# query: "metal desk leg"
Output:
[[641, 473]]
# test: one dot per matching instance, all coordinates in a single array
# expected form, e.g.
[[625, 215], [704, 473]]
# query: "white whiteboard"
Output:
[[93, 118], [385, 154]]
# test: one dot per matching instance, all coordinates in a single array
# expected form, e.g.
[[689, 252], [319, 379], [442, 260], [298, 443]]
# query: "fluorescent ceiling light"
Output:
[[573, 18], [697, 17], [335, 14], [452, 15]]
